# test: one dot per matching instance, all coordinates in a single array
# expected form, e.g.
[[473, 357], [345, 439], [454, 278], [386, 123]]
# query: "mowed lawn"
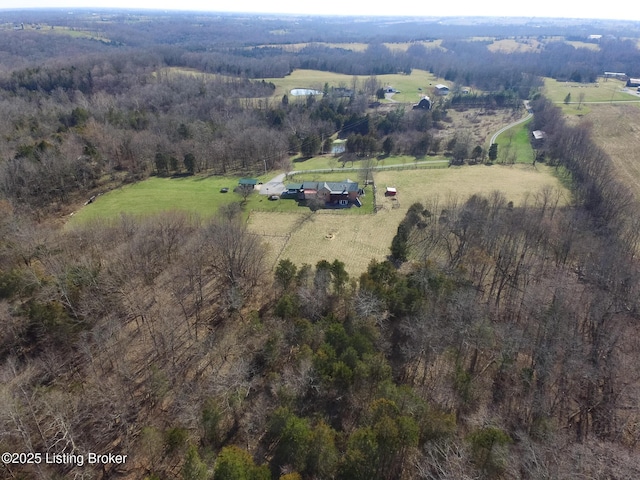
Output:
[[198, 195], [606, 90], [514, 145], [357, 239]]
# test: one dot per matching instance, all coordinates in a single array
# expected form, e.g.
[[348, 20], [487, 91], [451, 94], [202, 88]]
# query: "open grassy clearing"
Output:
[[357, 239], [606, 90], [198, 195], [175, 72], [355, 47], [616, 128], [336, 164], [316, 79], [587, 45], [63, 30], [514, 145], [412, 87], [296, 47], [510, 45]]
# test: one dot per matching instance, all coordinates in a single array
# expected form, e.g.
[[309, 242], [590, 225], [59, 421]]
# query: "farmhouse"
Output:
[[333, 194], [442, 89]]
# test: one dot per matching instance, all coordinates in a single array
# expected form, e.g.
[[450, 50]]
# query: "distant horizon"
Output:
[[544, 10]]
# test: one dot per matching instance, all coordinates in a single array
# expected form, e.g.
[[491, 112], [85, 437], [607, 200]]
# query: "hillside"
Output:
[[480, 325]]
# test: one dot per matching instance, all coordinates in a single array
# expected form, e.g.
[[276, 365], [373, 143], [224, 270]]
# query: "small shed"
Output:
[[391, 192], [248, 181], [538, 135]]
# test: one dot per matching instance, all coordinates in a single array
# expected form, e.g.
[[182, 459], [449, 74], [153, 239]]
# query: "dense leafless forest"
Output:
[[498, 340]]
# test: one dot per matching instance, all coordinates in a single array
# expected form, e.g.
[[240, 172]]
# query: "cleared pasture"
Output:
[[606, 90], [411, 87], [199, 195], [514, 145], [616, 128], [357, 239], [408, 85], [587, 45], [510, 45], [337, 165], [356, 47]]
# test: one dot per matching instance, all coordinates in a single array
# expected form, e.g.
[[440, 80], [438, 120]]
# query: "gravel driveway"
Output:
[[274, 187]]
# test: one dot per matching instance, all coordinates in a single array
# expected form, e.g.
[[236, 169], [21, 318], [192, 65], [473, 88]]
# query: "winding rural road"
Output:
[[507, 127], [276, 185]]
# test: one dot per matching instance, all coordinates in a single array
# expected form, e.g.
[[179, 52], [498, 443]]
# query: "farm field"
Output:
[[514, 145], [510, 45], [324, 162], [606, 90], [616, 128], [357, 47], [357, 239], [316, 79], [197, 195]]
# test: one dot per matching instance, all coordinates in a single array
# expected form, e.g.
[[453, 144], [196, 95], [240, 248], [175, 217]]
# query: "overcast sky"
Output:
[[540, 8]]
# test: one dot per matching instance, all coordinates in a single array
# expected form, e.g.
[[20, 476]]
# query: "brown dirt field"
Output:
[[616, 128], [357, 239]]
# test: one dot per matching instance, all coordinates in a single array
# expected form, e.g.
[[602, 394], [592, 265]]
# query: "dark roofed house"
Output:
[[333, 194], [338, 193], [424, 104]]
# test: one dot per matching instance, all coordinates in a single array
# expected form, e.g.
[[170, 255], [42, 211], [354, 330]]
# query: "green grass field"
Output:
[[315, 79], [411, 87], [334, 163], [198, 195], [606, 90], [514, 145]]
